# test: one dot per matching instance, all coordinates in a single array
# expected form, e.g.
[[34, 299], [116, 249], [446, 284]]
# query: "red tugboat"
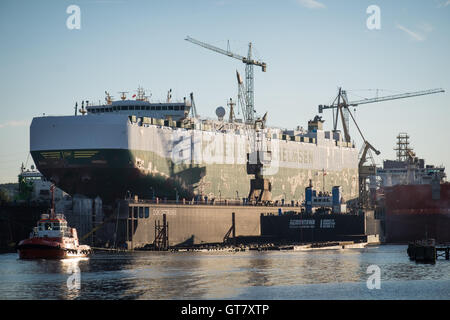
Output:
[[52, 239]]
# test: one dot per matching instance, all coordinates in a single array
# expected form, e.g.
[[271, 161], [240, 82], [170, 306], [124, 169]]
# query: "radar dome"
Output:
[[220, 112]]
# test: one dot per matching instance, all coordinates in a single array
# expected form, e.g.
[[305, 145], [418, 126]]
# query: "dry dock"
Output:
[[145, 224]]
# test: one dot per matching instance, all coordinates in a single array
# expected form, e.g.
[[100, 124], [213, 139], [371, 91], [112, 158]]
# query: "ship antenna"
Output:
[[123, 96], [52, 212], [82, 110]]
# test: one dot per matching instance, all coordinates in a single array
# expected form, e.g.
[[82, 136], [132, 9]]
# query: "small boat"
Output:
[[52, 238]]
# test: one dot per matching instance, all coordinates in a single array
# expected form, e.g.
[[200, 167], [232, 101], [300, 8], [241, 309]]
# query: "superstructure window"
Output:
[[170, 108], [135, 212], [131, 108], [147, 212], [158, 108], [141, 212], [176, 108], [152, 108], [102, 110], [124, 107], [164, 108]]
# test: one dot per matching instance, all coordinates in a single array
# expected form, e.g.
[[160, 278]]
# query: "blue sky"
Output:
[[311, 47]]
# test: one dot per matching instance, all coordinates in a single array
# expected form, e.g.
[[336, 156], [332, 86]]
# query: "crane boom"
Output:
[[364, 172], [341, 104], [193, 109], [216, 49], [367, 147], [249, 78], [385, 98], [246, 60]]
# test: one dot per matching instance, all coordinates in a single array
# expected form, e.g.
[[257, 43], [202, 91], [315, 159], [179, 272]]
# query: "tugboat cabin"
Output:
[[55, 227]]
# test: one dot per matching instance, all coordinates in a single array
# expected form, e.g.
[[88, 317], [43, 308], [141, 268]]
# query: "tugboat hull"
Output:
[[45, 249]]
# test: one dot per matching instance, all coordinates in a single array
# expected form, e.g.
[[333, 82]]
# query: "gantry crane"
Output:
[[364, 171], [342, 105], [249, 77]]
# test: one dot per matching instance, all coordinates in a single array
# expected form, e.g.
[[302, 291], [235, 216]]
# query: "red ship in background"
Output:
[[416, 212], [414, 197]]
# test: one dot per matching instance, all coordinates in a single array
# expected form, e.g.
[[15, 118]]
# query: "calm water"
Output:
[[224, 275]]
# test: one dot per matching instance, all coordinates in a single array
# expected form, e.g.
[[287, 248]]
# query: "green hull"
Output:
[[111, 173]]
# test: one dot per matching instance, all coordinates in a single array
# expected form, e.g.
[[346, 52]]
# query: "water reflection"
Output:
[[164, 276], [259, 269], [43, 279], [208, 275], [71, 267]]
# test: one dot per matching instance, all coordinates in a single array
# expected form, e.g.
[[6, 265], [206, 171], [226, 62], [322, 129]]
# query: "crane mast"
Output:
[[249, 73]]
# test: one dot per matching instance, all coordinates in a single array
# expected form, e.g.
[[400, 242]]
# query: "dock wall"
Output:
[[132, 224]]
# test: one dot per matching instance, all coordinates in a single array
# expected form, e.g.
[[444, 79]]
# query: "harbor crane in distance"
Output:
[[342, 105], [249, 76], [364, 171]]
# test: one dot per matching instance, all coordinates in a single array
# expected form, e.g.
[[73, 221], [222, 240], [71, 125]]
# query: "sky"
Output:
[[311, 47]]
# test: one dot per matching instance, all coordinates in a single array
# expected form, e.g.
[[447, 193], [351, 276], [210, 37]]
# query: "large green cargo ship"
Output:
[[135, 146]]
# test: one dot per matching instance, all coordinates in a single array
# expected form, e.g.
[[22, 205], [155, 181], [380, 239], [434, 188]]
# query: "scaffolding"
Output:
[[403, 149]]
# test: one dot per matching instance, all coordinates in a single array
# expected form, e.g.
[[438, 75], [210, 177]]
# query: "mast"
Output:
[[52, 211]]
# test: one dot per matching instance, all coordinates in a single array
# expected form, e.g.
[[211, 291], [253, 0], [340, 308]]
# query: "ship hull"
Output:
[[110, 174], [111, 157], [37, 248], [413, 212], [303, 227]]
